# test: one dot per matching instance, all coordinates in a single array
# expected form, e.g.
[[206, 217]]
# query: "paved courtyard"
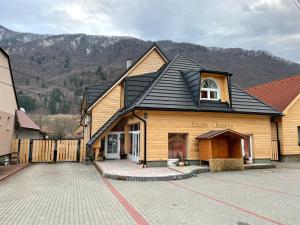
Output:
[[70, 193]]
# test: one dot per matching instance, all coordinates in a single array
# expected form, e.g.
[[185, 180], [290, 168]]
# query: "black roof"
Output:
[[136, 85], [104, 127], [176, 87], [170, 89], [95, 92]]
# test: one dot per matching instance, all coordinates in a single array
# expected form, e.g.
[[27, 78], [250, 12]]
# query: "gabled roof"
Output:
[[24, 121], [123, 75], [169, 89], [96, 91], [278, 93], [136, 85]]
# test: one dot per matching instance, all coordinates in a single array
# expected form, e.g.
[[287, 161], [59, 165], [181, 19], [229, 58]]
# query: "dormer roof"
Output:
[[177, 88]]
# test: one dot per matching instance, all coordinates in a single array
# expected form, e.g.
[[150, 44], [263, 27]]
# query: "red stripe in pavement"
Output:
[[250, 185], [139, 219], [228, 204]]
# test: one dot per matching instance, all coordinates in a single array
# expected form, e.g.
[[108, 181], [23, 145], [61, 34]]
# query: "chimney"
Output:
[[128, 62]]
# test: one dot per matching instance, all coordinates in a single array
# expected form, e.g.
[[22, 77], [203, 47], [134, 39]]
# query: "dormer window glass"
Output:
[[210, 90]]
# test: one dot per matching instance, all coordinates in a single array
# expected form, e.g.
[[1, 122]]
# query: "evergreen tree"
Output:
[[27, 102], [99, 72], [55, 100]]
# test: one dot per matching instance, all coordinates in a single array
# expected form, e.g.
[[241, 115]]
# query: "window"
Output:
[[210, 90], [299, 135], [135, 127], [177, 144]]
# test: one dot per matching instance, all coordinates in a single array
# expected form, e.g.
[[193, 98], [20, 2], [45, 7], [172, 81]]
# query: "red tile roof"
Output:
[[25, 122], [278, 93]]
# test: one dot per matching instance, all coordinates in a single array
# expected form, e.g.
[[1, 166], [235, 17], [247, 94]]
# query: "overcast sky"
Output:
[[272, 25]]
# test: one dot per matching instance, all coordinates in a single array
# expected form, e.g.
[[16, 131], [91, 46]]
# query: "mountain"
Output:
[[58, 67]]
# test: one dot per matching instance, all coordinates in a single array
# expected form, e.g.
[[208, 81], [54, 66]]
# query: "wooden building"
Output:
[[156, 110], [284, 96]]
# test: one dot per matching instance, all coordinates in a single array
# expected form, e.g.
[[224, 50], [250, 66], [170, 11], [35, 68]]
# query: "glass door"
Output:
[[135, 143], [113, 146], [135, 147]]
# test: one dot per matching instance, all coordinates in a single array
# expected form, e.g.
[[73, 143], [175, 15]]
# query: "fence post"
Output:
[[30, 150], [55, 151], [78, 151]]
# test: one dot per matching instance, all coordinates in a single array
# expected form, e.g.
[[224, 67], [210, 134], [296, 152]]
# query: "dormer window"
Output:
[[210, 90]]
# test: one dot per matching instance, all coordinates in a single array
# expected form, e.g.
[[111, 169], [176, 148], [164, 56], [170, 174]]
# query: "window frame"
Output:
[[298, 128], [209, 90]]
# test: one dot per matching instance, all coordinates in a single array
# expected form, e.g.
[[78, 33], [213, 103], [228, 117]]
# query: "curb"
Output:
[[15, 171], [143, 179], [261, 166]]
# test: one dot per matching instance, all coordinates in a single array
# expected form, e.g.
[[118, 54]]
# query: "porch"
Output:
[[222, 149], [128, 170]]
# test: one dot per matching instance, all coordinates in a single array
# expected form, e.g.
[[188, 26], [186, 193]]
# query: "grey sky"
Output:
[[272, 25]]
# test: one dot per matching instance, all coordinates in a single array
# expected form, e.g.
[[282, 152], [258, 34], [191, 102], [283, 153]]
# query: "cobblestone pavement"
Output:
[[247, 197], [66, 193], [76, 194]]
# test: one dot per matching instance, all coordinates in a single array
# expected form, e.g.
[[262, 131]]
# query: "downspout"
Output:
[[277, 137], [145, 137]]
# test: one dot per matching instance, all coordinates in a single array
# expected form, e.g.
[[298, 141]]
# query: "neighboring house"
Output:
[[283, 95], [161, 109], [26, 128], [8, 104], [14, 123]]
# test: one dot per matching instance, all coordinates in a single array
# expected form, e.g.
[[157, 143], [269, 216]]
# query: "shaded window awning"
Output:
[[215, 133]]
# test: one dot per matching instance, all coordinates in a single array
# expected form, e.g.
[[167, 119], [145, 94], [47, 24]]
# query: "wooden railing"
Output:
[[32, 150]]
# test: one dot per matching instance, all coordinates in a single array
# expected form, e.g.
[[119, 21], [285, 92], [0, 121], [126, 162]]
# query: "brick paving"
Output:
[[247, 197], [66, 193], [71, 193]]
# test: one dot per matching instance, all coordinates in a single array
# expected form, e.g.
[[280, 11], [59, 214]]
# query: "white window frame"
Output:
[[209, 90]]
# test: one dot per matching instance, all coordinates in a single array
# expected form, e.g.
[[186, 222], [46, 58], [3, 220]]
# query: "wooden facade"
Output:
[[160, 124], [151, 63], [288, 126], [163, 125]]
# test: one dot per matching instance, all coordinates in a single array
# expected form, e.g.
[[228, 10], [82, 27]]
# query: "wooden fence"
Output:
[[67, 150], [49, 150], [42, 150]]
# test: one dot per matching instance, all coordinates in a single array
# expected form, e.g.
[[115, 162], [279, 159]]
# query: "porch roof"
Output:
[[104, 127], [215, 133]]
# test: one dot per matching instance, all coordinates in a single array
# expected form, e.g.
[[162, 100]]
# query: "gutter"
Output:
[[145, 138]]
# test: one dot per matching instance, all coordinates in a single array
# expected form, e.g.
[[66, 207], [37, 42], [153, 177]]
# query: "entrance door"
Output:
[[247, 147], [135, 148], [113, 146]]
